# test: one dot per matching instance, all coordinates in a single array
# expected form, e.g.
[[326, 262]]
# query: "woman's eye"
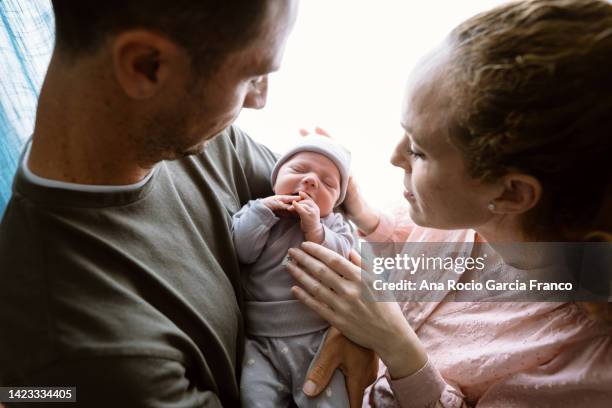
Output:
[[415, 154]]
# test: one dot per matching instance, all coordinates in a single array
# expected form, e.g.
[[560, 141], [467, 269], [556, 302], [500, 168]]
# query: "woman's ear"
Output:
[[143, 62], [521, 193]]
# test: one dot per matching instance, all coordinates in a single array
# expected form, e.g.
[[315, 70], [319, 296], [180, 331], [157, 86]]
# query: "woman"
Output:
[[507, 139]]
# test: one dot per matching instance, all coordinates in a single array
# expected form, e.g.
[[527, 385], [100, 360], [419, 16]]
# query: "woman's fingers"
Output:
[[334, 261], [322, 132], [317, 130], [313, 287], [355, 258], [319, 271], [314, 304], [310, 275]]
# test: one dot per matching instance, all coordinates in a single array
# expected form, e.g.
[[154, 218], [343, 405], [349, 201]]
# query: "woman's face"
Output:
[[438, 188]]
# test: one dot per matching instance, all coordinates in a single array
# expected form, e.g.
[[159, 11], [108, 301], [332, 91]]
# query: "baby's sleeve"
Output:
[[251, 229], [338, 234]]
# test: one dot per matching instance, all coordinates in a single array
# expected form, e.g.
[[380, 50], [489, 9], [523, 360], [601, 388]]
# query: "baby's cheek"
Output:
[[282, 186], [326, 205]]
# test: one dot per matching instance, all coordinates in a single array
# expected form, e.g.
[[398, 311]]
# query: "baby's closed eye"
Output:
[[299, 168], [331, 182]]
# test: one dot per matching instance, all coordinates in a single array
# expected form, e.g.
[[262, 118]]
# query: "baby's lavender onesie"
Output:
[[283, 335]]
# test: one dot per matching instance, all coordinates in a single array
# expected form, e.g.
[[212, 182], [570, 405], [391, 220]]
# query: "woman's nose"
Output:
[[399, 159]]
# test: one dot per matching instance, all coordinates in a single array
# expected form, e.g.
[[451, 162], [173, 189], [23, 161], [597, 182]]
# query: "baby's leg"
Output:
[[261, 384], [304, 348]]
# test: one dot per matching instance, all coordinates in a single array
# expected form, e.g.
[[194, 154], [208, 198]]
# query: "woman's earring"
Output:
[[491, 206]]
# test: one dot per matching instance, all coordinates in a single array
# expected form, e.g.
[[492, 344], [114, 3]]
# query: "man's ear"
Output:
[[521, 192], [143, 61]]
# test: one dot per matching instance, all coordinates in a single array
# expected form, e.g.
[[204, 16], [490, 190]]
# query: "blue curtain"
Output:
[[26, 43]]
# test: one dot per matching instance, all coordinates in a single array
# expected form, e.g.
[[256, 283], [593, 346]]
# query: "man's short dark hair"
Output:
[[207, 29]]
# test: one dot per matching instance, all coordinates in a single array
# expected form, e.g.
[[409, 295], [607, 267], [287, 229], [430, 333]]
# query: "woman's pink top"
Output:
[[492, 354]]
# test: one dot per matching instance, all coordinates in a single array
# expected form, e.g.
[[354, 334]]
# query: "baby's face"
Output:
[[314, 174]]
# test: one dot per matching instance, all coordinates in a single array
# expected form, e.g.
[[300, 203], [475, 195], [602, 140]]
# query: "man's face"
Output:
[[204, 107], [314, 174]]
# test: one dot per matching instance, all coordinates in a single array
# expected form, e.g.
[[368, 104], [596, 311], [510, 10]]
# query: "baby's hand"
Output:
[[281, 204], [310, 218]]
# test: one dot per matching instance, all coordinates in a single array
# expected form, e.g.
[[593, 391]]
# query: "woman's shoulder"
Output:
[[416, 233], [396, 225], [424, 234]]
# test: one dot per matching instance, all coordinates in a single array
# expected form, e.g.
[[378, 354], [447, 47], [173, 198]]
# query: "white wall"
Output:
[[345, 68]]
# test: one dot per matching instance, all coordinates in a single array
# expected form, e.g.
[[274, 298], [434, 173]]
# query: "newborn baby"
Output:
[[283, 335]]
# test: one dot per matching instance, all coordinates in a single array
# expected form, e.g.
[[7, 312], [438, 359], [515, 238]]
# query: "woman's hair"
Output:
[[532, 92]]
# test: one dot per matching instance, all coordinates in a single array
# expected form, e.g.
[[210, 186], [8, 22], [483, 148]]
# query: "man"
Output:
[[116, 260]]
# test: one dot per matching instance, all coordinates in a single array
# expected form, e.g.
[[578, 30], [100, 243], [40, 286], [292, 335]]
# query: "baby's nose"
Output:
[[310, 181]]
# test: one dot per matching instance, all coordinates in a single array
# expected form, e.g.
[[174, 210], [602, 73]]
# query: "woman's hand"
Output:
[[332, 287], [358, 210]]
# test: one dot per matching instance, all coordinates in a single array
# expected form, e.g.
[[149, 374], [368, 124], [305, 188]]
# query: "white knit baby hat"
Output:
[[329, 148]]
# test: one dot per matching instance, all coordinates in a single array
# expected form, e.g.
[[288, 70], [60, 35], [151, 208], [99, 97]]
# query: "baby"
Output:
[[283, 335]]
